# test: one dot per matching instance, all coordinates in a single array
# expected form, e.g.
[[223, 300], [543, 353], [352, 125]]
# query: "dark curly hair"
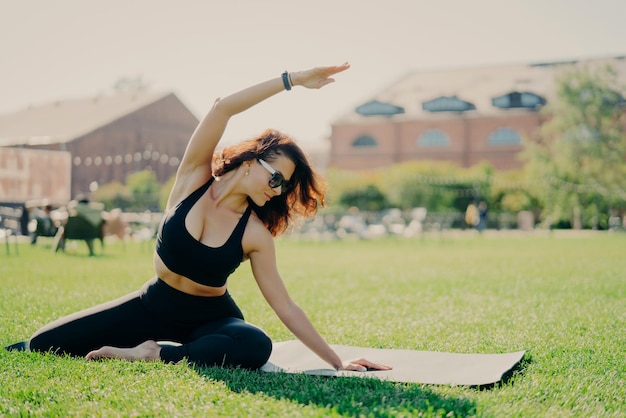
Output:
[[307, 190]]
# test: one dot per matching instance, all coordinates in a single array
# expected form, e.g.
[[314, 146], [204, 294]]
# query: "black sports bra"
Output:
[[185, 255]]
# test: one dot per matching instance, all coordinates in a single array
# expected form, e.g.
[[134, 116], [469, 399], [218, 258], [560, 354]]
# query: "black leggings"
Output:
[[211, 331]]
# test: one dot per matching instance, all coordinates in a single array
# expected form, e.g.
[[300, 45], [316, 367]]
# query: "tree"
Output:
[[437, 186], [369, 198], [113, 195], [578, 159], [144, 189]]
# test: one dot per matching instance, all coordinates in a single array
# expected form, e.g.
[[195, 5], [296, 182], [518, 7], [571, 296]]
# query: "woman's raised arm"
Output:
[[204, 140]]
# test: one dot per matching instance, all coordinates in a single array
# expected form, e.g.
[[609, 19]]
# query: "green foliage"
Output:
[[369, 198], [141, 192], [113, 195], [433, 185], [511, 192], [578, 159], [437, 186], [343, 181], [559, 296], [145, 190]]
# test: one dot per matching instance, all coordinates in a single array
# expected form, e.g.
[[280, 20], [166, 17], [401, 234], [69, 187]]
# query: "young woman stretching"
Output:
[[225, 207]]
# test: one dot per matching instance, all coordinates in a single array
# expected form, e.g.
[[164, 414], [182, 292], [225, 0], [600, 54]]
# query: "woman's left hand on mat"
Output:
[[363, 365]]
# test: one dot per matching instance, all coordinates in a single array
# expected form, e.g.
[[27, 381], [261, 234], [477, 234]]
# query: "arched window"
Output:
[[447, 104], [364, 141], [433, 138], [378, 108], [504, 136], [515, 99]]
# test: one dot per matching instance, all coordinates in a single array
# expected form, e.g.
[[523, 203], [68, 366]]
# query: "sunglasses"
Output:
[[277, 178]]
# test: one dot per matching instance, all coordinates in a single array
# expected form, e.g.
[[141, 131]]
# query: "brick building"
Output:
[[108, 137], [465, 116], [26, 174]]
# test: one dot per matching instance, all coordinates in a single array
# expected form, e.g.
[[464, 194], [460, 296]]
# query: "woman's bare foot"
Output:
[[148, 350]]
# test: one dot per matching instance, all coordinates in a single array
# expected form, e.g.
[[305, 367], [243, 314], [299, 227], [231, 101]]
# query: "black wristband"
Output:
[[286, 83]]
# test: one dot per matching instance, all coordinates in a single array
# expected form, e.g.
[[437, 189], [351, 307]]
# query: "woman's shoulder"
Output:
[[256, 235], [256, 226]]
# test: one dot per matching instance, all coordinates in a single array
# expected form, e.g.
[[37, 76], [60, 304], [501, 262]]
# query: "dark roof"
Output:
[[63, 121]]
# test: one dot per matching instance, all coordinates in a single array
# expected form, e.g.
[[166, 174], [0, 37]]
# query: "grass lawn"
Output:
[[561, 297]]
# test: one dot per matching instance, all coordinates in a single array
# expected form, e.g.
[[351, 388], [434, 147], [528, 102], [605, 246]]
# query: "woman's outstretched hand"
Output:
[[317, 77], [363, 365]]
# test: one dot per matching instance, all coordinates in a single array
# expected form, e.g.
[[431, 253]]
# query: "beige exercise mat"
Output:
[[409, 366]]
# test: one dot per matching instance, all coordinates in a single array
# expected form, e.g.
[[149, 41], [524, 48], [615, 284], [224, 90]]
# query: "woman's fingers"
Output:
[[318, 77], [362, 365]]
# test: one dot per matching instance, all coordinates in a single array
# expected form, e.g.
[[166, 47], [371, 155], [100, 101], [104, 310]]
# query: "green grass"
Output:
[[561, 297]]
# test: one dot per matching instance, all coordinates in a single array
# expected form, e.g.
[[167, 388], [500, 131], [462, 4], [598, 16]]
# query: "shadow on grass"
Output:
[[345, 395], [508, 378]]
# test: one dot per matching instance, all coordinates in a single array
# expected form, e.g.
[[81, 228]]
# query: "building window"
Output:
[[377, 108], [517, 100], [364, 141], [433, 138], [504, 136], [447, 104]]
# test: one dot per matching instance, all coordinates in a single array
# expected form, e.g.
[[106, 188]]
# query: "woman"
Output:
[[224, 208]]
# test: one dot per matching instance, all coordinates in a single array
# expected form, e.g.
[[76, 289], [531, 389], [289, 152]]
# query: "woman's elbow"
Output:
[[287, 311], [221, 108]]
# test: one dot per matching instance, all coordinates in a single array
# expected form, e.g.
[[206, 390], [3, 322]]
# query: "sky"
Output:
[[201, 50]]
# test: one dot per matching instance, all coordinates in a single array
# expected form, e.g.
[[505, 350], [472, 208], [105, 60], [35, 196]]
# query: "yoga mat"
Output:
[[428, 367]]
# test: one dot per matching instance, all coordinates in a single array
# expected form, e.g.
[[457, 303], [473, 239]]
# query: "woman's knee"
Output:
[[256, 348], [233, 342]]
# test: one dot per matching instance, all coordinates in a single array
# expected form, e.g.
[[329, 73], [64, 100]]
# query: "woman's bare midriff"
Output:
[[184, 284]]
